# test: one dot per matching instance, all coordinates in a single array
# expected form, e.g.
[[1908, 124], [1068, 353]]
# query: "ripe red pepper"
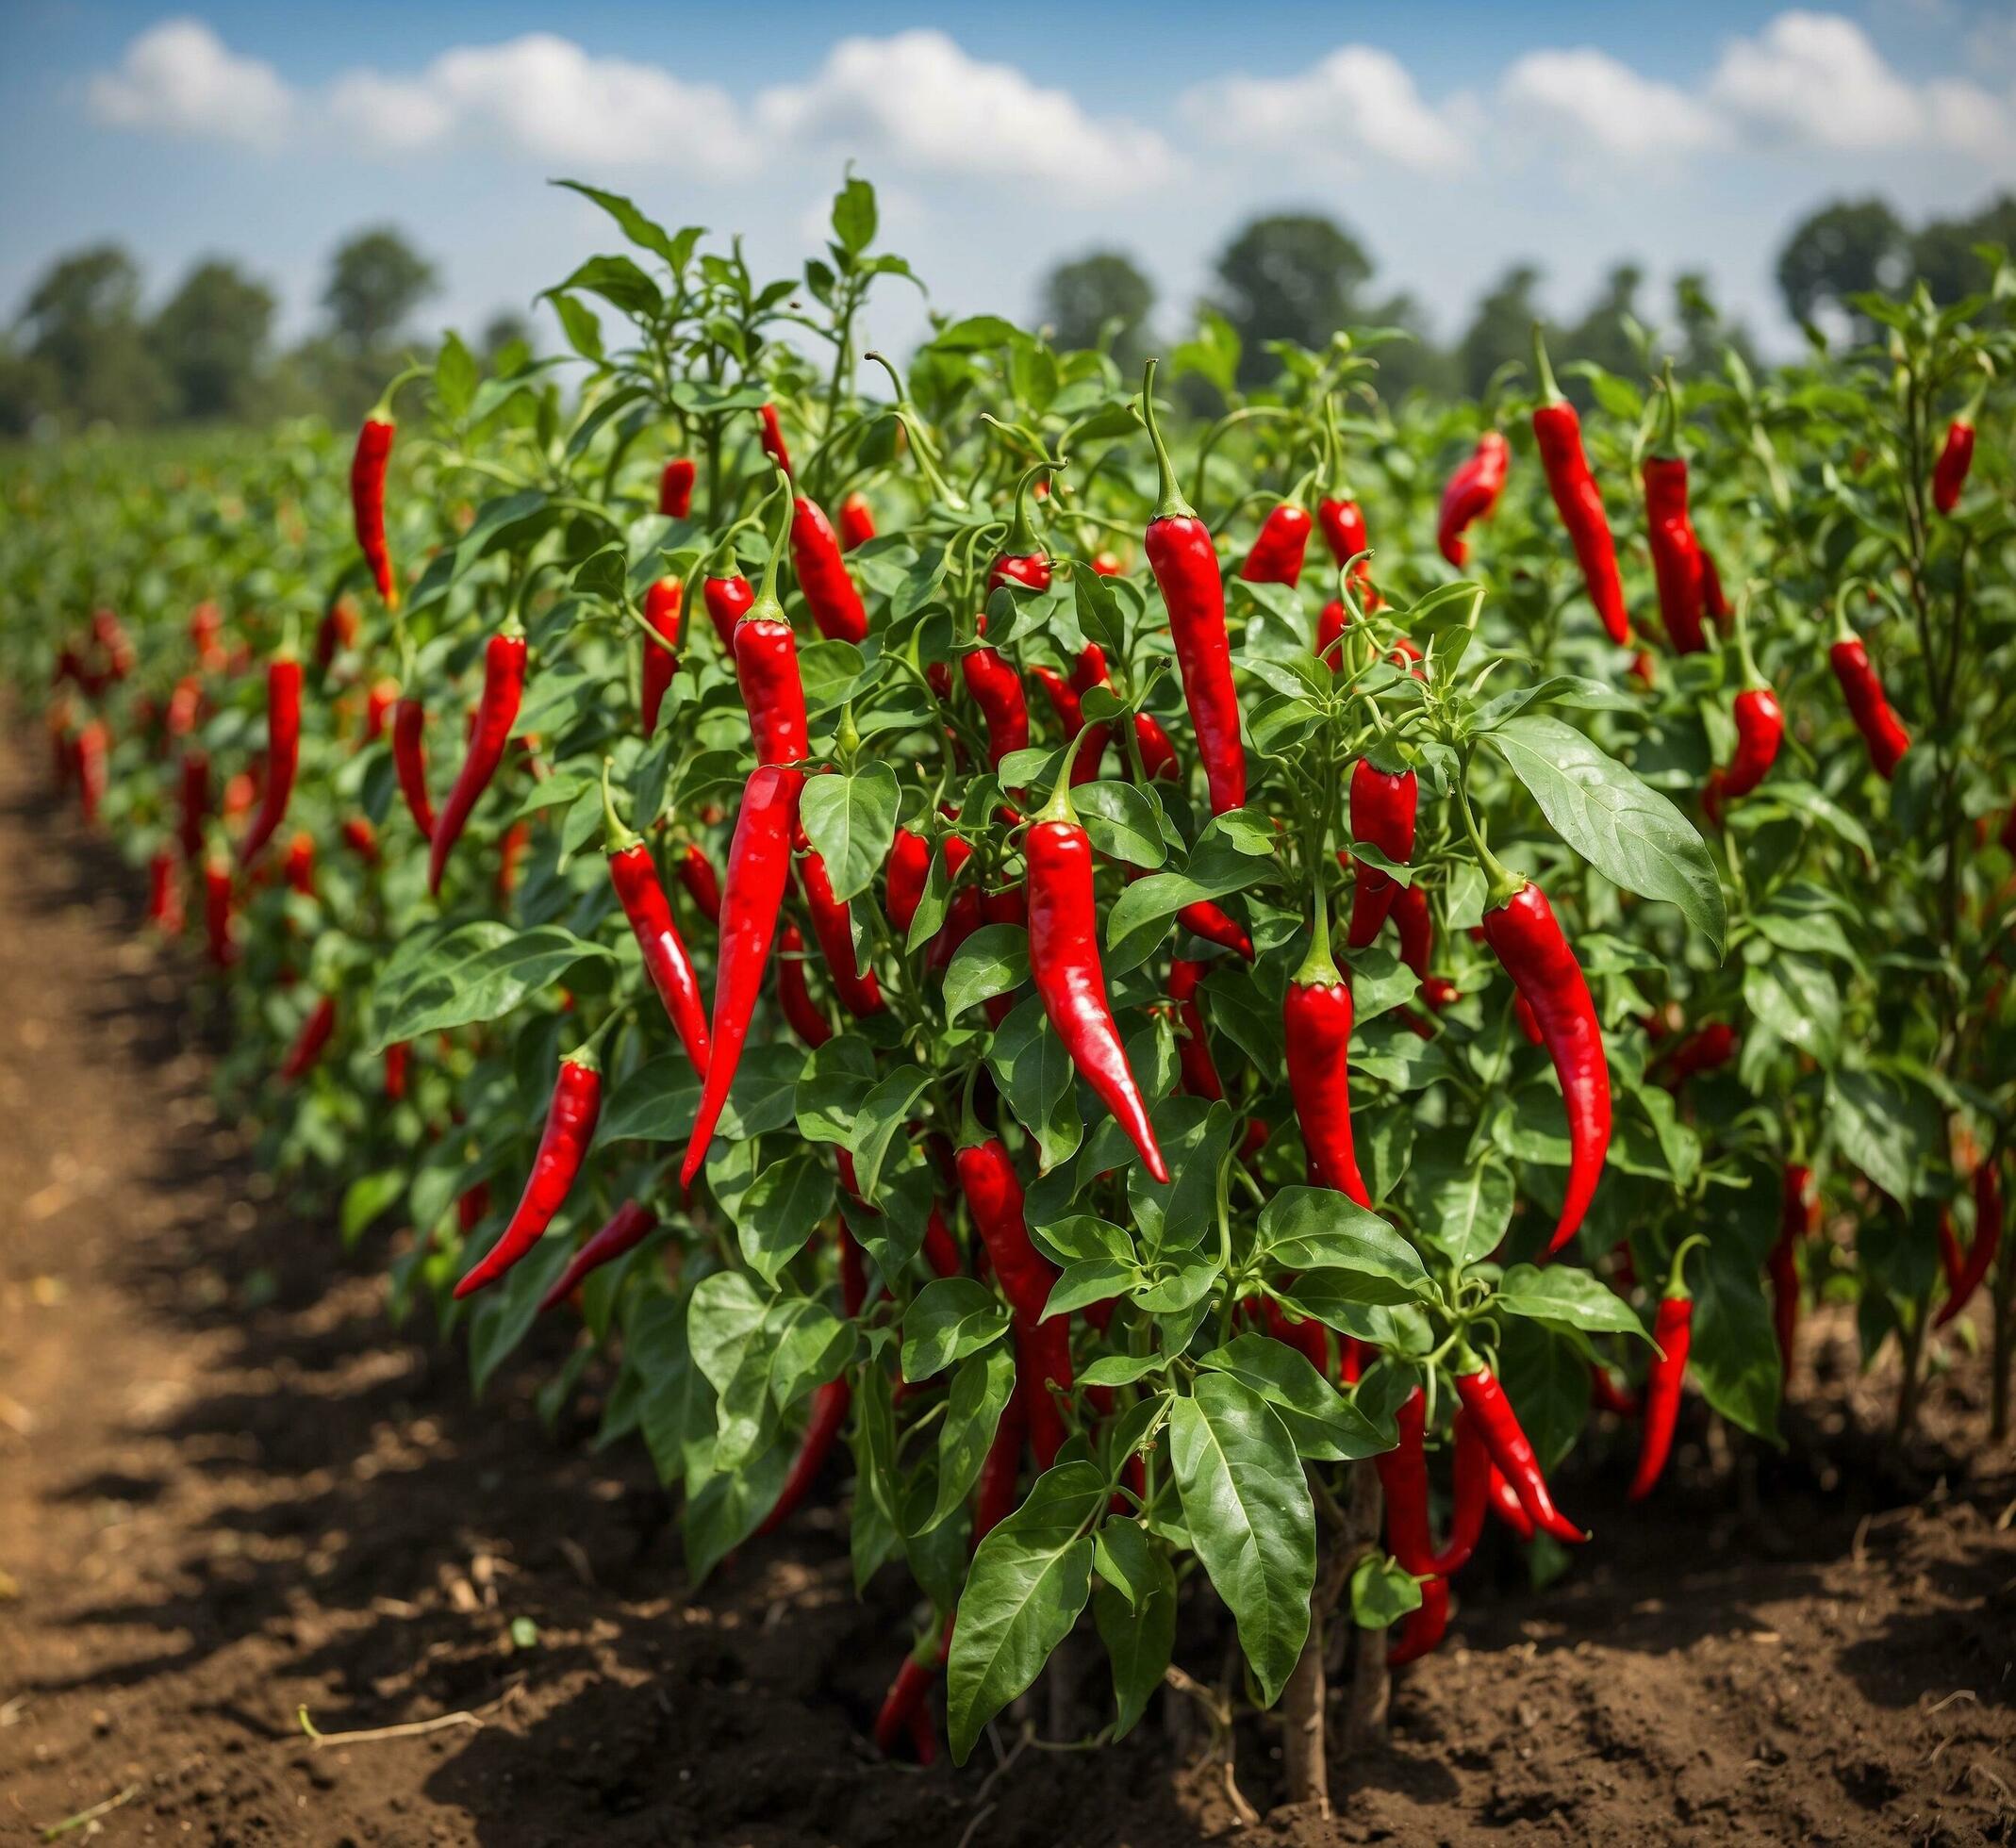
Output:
[[833, 925], [217, 910], [1670, 534], [1485, 1399], [727, 600], [675, 488], [378, 705], [635, 875], [1672, 1334], [831, 592], [702, 886], [1423, 1628], [92, 744], [857, 521], [1384, 805], [283, 753], [563, 1145], [661, 613], [1317, 1029], [1279, 548], [1965, 1277], [1023, 559], [298, 868], [367, 497], [1713, 598], [1185, 564], [996, 690], [361, 838], [1706, 1050], [310, 1040], [766, 665], [1956, 455], [1525, 936], [1472, 492], [1797, 1215], [1404, 1477], [1343, 532], [1063, 959], [628, 1227], [908, 874], [1503, 1501], [1193, 1051], [801, 1014], [1158, 755], [759, 864], [503, 687], [336, 630], [1557, 431], [164, 895], [409, 759], [1471, 1486], [185, 707], [1883, 732], [1607, 1393], [830, 1406], [771, 437]]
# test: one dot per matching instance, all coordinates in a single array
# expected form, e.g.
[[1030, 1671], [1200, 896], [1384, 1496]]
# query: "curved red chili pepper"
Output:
[[765, 665], [1607, 1393], [1472, 492], [628, 1228], [563, 1145], [409, 759], [940, 1252], [397, 1056], [1713, 598], [164, 895], [833, 925], [1022, 559], [1193, 1051], [759, 864], [727, 601], [830, 1404], [1883, 732], [308, 1043], [1499, 1427], [1157, 754], [803, 1014], [503, 687], [1672, 1333], [857, 521], [820, 566], [906, 876], [1384, 805], [675, 488], [196, 801], [217, 911], [770, 436], [283, 753], [378, 705], [1503, 1501], [1759, 729], [336, 630], [1955, 458], [1967, 1276], [1471, 1496], [1670, 535], [1316, 1030], [367, 500], [703, 884], [1404, 1477], [1343, 532], [1063, 959], [1422, 1629], [298, 868], [1706, 1050], [1279, 548], [1528, 941], [661, 613], [1185, 564], [1557, 431], [996, 690], [635, 875]]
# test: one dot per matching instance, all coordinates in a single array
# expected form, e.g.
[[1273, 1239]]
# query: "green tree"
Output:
[[505, 328], [1101, 296], [81, 324], [1603, 335], [1942, 251], [375, 281], [1501, 330], [212, 338], [1704, 334], [1289, 277], [1841, 251]]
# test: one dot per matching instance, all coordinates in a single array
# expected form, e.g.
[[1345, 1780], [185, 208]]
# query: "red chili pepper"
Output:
[[1185, 564], [1503, 1501], [298, 868], [503, 687], [217, 910], [1557, 431], [759, 864], [185, 707], [833, 925], [563, 1145], [1063, 959], [857, 521], [1882, 731], [662, 613], [1343, 532], [378, 705], [1472, 492], [164, 895], [409, 758], [1706, 1050], [1383, 804], [1471, 1486], [771, 437], [1022, 559], [1607, 1393], [310, 1040], [1331, 622], [803, 1014], [635, 875], [1525, 936], [820, 566], [908, 874], [628, 1228], [1956, 456], [1966, 1277], [336, 630], [1670, 534], [1499, 1425], [1422, 1629], [1404, 1477], [1316, 1028], [675, 488], [397, 1057], [996, 690], [367, 497], [1279, 548], [361, 838], [1193, 1051], [765, 663], [1713, 598], [728, 600], [830, 1404], [1672, 1334], [1158, 755], [283, 753], [1087, 671], [92, 744], [702, 886]]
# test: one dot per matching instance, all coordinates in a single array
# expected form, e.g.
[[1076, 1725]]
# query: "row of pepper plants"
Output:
[[1135, 996]]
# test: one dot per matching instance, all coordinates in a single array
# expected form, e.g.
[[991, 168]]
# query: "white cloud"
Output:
[[1817, 79], [179, 78], [1591, 95], [1358, 100], [919, 101]]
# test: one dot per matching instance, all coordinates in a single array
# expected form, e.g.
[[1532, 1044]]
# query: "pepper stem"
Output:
[[1023, 540], [1503, 884], [766, 603], [382, 411], [1844, 629], [1171, 505], [617, 838], [1669, 415], [1970, 413], [1319, 965], [1676, 1277], [1059, 806], [1751, 677], [1550, 394]]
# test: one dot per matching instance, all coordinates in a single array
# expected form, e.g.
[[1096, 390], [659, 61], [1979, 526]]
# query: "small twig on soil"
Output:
[[85, 1817], [1219, 1710], [1000, 1771], [1958, 1694], [10, 1711], [972, 1828], [411, 1729]]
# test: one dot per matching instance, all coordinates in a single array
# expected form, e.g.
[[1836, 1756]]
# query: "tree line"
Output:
[[83, 350]]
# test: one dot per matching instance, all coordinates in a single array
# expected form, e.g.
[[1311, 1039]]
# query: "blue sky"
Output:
[[1452, 139]]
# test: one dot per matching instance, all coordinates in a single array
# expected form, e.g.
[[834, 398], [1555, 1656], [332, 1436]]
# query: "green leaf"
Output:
[[1122, 822], [454, 376], [884, 1112], [950, 1318], [1318, 1230], [1799, 1002], [854, 215], [1630, 833], [1463, 1208], [852, 822], [475, 973], [1139, 1630], [1250, 1518], [1030, 1579], [1888, 1127], [1573, 1298], [1034, 1074], [993, 960], [1326, 1425], [1383, 1592], [781, 1208], [973, 1411], [366, 1198], [1092, 1281]]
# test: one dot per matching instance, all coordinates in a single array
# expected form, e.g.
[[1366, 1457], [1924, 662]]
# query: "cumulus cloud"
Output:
[[1590, 95], [1817, 79], [1356, 100], [179, 78]]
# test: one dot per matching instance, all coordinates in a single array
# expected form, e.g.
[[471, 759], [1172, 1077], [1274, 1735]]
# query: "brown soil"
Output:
[[230, 1490]]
